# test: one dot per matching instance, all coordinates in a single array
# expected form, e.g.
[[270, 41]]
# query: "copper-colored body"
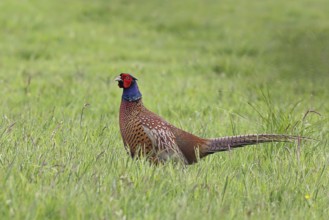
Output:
[[145, 133]]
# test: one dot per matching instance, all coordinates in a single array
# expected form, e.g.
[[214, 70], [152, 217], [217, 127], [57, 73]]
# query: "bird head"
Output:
[[125, 80], [131, 92]]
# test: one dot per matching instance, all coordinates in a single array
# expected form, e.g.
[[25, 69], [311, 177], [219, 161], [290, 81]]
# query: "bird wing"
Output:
[[162, 138]]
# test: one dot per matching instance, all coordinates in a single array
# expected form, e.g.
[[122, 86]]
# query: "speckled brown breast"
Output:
[[134, 138]]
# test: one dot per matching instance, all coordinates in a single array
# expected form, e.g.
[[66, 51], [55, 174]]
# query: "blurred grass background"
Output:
[[213, 68]]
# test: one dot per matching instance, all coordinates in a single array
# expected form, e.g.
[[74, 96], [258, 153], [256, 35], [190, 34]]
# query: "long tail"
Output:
[[227, 143]]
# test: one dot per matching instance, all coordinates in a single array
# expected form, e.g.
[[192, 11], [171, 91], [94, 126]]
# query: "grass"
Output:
[[212, 68]]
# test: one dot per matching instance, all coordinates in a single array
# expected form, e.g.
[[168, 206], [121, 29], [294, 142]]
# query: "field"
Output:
[[213, 68]]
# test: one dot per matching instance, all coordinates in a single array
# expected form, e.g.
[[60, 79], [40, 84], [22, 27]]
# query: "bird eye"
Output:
[[127, 78]]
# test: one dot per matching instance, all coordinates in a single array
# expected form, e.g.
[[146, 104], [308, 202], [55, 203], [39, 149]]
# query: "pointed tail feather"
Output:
[[230, 142]]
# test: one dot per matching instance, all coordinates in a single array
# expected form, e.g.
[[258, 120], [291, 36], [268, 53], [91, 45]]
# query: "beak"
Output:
[[118, 78]]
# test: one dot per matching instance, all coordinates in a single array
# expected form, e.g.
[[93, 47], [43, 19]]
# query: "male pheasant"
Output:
[[147, 134]]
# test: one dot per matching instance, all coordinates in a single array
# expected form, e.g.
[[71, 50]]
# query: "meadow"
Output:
[[213, 68]]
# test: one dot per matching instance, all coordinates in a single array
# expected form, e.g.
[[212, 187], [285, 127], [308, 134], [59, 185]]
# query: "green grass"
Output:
[[213, 68]]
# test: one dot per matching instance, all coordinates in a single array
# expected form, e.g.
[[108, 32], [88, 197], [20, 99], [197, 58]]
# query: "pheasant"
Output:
[[146, 134]]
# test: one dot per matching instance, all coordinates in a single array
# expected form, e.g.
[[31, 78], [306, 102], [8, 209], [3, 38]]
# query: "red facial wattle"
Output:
[[127, 82]]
